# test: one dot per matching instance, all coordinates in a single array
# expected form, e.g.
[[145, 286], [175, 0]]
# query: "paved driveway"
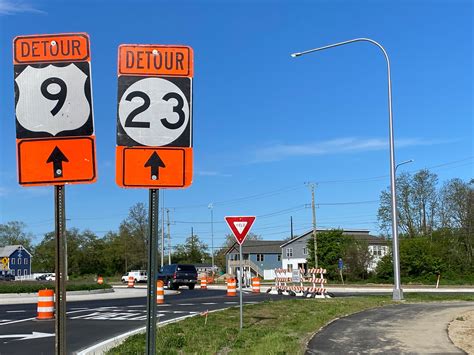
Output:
[[404, 328]]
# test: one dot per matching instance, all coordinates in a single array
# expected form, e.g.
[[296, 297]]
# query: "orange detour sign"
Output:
[[154, 116], [56, 161], [53, 109]]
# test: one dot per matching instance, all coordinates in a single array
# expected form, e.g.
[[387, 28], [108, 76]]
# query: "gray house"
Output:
[[260, 257], [295, 252]]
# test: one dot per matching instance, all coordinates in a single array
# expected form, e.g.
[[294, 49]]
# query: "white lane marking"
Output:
[[22, 311], [137, 306], [251, 302], [209, 303], [186, 304], [231, 302]]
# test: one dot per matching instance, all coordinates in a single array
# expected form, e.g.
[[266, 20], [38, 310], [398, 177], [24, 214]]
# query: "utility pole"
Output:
[[162, 228], [313, 207], [291, 226], [169, 235]]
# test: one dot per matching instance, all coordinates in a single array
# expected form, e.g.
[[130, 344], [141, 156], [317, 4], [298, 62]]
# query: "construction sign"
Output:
[[53, 107], [240, 226], [4, 262], [154, 116]]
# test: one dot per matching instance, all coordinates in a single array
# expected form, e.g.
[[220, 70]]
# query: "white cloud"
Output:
[[335, 146], [8, 7]]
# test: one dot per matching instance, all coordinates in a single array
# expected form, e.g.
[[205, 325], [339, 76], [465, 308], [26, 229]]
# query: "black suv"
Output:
[[175, 275]]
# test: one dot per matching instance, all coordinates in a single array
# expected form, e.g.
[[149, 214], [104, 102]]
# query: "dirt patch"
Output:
[[461, 331]]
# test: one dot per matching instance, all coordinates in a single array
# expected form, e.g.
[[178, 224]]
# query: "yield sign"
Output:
[[240, 226]]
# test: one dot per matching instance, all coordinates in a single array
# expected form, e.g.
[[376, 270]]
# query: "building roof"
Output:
[[359, 234], [10, 249], [257, 247]]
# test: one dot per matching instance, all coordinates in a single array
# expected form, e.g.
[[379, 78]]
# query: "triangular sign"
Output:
[[240, 226]]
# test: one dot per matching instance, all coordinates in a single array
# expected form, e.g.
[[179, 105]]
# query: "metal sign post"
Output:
[[240, 288], [152, 271], [60, 234]]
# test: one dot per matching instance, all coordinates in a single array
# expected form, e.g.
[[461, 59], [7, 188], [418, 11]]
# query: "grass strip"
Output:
[[271, 327], [33, 287]]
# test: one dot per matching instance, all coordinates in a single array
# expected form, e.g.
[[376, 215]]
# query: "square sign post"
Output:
[[154, 135], [240, 227], [55, 140]]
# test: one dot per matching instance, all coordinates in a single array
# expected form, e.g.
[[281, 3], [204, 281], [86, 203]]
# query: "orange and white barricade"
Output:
[[316, 277], [204, 283], [45, 304], [131, 282], [160, 292], [100, 280], [232, 287], [255, 285]]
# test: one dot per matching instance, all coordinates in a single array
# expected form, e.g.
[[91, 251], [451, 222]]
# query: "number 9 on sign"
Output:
[[155, 111]]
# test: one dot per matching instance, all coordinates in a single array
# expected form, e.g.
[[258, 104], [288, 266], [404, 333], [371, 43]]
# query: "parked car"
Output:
[[175, 275], [7, 277], [43, 277], [138, 276], [50, 277]]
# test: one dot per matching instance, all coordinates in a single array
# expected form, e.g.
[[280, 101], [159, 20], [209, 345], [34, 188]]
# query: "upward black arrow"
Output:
[[154, 162], [57, 157]]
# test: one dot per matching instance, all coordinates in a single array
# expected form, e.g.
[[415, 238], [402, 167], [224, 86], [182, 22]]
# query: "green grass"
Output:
[[35, 286], [271, 327]]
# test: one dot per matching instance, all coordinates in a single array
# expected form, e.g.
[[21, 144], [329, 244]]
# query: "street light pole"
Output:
[[212, 236], [397, 289]]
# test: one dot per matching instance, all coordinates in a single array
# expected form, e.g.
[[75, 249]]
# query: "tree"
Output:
[[332, 245], [191, 252], [13, 233], [417, 201]]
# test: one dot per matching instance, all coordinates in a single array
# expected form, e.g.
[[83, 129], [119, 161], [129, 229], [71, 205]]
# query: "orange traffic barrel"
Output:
[[160, 292], [131, 282], [255, 285], [231, 287], [204, 283], [45, 304], [100, 280]]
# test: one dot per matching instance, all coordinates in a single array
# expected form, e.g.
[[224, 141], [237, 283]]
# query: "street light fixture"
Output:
[[397, 289], [403, 162]]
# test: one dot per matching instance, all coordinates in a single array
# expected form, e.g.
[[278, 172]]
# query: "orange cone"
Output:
[[45, 304]]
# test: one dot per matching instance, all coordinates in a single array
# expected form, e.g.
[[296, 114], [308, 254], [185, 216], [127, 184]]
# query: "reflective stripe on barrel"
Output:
[[204, 283], [160, 292], [255, 285], [131, 282]]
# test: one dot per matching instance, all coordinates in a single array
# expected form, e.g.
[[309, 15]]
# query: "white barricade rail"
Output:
[[314, 276]]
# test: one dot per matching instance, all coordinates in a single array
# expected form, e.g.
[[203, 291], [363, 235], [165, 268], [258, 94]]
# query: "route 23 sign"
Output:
[[154, 116], [53, 106]]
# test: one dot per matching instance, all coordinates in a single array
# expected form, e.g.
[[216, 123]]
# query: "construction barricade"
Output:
[[231, 287], [204, 283], [160, 292], [255, 285], [131, 282], [45, 304], [294, 285]]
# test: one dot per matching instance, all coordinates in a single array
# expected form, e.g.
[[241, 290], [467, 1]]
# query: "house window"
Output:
[[13, 261], [259, 257], [24, 272], [289, 267], [279, 257], [289, 252], [13, 272], [305, 251], [26, 261], [19, 261]]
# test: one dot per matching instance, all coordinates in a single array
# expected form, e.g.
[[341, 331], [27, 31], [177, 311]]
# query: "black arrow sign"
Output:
[[57, 157], [155, 162]]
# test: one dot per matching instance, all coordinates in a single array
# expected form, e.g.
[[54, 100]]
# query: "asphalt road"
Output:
[[397, 329], [90, 322]]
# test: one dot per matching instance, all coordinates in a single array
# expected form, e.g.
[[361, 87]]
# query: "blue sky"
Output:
[[265, 123]]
